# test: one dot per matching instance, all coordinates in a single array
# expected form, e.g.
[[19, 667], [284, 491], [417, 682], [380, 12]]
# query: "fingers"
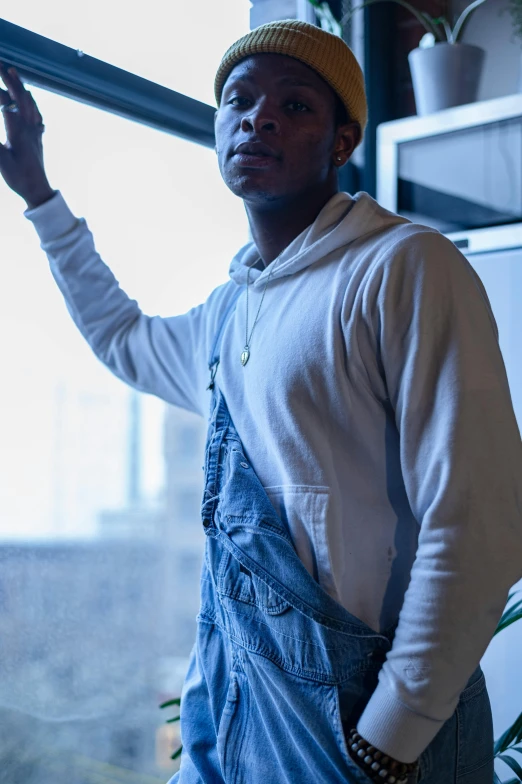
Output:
[[8, 80], [5, 98], [36, 117], [16, 91]]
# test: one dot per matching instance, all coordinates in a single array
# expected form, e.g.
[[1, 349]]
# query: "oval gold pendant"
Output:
[[245, 356]]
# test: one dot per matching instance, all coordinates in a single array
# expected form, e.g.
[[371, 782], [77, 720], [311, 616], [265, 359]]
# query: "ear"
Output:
[[347, 138]]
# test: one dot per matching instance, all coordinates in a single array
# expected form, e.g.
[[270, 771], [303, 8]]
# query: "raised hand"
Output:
[[21, 157]]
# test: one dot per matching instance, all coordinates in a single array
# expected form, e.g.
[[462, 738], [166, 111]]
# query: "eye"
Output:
[[241, 101], [298, 106]]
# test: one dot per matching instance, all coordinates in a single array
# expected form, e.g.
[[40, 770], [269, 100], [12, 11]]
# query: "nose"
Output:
[[260, 118]]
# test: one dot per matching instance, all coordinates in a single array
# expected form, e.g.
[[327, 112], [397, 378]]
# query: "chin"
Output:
[[253, 184], [255, 189], [259, 196]]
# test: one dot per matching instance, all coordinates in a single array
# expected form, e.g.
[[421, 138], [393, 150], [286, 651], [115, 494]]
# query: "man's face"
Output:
[[281, 115]]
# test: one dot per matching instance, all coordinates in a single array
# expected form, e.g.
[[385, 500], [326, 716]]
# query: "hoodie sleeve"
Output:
[[461, 459], [165, 357]]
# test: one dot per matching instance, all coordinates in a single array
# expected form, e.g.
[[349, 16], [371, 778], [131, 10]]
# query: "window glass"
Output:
[[178, 45], [100, 540]]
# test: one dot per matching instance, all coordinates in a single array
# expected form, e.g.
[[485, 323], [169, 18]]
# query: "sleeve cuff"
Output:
[[393, 728], [52, 219]]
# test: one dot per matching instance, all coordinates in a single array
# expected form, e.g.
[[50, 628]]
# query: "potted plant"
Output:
[[515, 10], [445, 72], [511, 740]]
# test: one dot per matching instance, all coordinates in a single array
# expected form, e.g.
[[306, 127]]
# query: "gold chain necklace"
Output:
[[245, 354]]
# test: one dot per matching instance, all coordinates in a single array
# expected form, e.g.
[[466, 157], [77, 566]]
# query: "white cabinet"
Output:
[[501, 274]]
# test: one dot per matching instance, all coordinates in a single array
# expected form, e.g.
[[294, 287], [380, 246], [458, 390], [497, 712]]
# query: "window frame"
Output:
[[74, 74]]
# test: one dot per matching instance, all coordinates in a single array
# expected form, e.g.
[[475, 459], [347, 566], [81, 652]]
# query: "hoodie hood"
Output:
[[342, 220]]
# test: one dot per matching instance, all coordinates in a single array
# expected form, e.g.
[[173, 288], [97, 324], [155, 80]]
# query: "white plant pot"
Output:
[[445, 75]]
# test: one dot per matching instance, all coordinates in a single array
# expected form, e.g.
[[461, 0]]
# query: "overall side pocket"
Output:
[[475, 734], [233, 728]]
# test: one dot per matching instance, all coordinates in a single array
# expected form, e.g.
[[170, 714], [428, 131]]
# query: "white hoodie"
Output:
[[375, 410]]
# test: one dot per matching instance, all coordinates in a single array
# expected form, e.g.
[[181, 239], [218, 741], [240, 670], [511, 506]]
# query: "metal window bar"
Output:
[[72, 73]]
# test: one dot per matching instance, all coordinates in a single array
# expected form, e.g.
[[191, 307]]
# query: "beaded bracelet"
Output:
[[381, 767]]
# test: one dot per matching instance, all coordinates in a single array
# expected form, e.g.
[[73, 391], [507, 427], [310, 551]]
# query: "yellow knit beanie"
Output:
[[326, 53]]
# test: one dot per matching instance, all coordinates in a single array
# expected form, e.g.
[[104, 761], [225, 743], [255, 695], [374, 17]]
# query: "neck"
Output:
[[274, 225]]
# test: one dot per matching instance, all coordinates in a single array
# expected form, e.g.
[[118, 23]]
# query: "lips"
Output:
[[255, 149]]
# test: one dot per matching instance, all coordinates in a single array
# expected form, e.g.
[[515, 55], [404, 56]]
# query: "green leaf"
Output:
[[177, 753], [423, 18], [167, 704], [496, 780], [507, 619], [462, 18], [327, 19], [447, 30], [176, 718], [510, 596], [513, 733], [508, 610], [514, 606], [513, 764], [508, 613]]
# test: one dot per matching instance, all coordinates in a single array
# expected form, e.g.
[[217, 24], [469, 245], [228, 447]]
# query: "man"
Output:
[[363, 475]]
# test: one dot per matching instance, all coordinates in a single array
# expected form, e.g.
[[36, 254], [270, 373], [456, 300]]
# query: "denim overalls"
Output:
[[280, 670]]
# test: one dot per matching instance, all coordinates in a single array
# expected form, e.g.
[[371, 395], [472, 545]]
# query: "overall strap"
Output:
[[213, 361]]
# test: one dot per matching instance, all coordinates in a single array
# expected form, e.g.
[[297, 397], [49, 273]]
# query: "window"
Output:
[[178, 45], [99, 593]]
